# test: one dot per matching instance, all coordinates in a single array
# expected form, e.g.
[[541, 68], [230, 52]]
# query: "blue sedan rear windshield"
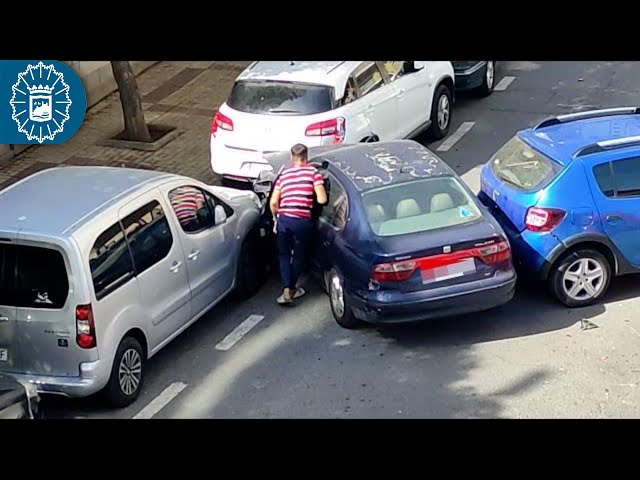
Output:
[[419, 206]]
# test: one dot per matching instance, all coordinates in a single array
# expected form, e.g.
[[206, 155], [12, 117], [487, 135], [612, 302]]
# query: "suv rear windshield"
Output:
[[419, 206], [280, 98], [32, 277], [519, 165]]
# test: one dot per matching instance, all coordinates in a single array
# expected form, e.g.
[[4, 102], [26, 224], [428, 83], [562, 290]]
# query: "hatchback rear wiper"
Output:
[[283, 110]]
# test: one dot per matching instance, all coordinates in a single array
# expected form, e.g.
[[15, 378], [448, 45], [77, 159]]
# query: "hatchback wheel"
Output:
[[581, 278], [489, 79], [440, 113], [126, 378], [339, 305]]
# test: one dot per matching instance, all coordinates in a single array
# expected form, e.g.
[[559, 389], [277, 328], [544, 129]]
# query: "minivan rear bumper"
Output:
[[91, 380]]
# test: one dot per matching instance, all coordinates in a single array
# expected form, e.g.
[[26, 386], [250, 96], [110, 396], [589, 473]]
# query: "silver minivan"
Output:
[[102, 267]]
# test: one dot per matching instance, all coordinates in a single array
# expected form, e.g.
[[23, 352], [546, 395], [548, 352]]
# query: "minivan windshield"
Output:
[[419, 206], [280, 98], [519, 165]]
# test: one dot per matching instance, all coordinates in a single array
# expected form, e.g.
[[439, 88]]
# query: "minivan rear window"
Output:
[[419, 206], [280, 98], [522, 167], [32, 277]]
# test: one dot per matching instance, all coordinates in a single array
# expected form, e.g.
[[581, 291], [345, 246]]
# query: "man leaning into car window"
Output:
[[291, 205]]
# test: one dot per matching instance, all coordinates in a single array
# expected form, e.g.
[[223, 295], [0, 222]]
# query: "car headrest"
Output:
[[376, 213], [407, 208], [440, 202]]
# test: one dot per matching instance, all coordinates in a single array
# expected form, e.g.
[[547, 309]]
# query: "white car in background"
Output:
[[274, 105]]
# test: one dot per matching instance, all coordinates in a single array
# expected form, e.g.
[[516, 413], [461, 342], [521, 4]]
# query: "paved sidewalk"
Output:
[[180, 94]]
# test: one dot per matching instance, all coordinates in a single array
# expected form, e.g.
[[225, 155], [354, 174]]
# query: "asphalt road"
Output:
[[528, 359]]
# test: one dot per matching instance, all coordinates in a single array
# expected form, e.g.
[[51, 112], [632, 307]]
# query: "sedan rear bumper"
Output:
[[430, 308]]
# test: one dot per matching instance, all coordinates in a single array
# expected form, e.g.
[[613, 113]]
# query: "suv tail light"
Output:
[[543, 219], [221, 121], [85, 327], [336, 128]]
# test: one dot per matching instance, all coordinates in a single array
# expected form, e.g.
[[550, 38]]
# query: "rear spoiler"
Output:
[[572, 117]]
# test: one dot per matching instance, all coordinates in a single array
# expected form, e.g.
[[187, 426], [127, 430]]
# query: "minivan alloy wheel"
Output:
[[130, 371], [584, 279]]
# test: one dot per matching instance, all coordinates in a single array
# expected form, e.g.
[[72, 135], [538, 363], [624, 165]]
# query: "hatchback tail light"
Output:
[[335, 128], [543, 219], [85, 327], [221, 121]]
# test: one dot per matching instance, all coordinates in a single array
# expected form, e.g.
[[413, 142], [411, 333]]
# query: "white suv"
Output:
[[274, 105]]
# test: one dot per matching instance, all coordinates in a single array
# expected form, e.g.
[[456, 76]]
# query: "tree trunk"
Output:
[[135, 125]]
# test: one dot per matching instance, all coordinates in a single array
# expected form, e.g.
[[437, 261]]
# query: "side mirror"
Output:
[[411, 66], [220, 214], [262, 186]]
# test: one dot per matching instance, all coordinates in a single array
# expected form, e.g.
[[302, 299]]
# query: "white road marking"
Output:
[[161, 401], [503, 84], [239, 332], [455, 136]]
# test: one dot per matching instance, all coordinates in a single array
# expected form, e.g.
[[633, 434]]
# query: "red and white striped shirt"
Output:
[[296, 187]]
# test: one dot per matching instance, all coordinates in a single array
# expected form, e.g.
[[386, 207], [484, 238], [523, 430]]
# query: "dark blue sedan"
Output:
[[402, 238]]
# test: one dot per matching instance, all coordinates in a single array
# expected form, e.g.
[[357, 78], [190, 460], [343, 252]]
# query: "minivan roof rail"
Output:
[[608, 145], [572, 117]]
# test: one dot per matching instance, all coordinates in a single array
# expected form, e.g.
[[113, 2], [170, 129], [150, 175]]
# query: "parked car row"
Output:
[[274, 105]]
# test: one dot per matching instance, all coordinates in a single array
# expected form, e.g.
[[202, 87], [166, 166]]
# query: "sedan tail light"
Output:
[[543, 219], [394, 271], [221, 121], [336, 128]]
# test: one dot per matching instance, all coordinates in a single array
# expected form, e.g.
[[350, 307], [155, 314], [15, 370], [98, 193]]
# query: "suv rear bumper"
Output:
[[91, 380]]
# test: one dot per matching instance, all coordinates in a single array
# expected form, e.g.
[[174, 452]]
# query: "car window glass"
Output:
[[149, 236], [41, 278], [110, 261], [335, 212], [604, 178], [192, 209], [369, 78], [393, 69], [627, 177]]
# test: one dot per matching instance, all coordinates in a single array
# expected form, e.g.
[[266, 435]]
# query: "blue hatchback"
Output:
[[567, 193], [403, 239]]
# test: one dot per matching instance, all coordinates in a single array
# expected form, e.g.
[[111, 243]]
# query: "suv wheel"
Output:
[[581, 278], [440, 113], [489, 79]]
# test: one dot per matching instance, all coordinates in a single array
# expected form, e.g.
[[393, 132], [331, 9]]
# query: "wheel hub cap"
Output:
[[443, 112], [130, 372], [584, 279], [490, 74], [337, 295]]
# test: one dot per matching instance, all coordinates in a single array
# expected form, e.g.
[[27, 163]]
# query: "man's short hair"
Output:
[[300, 150]]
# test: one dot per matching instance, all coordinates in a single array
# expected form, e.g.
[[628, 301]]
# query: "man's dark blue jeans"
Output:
[[293, 234]]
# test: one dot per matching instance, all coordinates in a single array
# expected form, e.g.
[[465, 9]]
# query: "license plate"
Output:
[[4, 355], [447, 272]]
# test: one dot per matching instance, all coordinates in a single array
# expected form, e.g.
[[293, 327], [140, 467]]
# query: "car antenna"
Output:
[[292, 63]]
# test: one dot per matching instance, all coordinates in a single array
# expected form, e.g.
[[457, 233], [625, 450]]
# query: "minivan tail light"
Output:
[[85, 327], [220, 120], [336, 128], [543, 219]]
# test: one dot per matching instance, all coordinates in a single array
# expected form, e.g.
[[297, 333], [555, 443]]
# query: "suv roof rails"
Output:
[[336, 66], [253, 65], [572, 117], [608, 145]]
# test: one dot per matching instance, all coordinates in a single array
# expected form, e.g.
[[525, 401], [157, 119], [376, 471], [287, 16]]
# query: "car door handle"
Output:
[[194, 255], [175, 267], [614, 218], [4, 319], [369, 108], [400, 93]]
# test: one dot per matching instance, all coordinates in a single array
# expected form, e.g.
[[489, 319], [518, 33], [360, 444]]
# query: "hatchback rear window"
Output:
[[32, 277], [419, 206], [519, 165], [280, 98]]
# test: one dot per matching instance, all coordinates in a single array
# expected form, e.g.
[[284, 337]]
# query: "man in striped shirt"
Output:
[[291, 205]]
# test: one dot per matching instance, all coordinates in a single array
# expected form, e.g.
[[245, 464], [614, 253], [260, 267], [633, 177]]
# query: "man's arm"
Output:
[[274, 203], [318, 187]]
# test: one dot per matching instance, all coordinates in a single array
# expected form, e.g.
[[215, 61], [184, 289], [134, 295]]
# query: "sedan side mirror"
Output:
[[220, 215], [262, 186]]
